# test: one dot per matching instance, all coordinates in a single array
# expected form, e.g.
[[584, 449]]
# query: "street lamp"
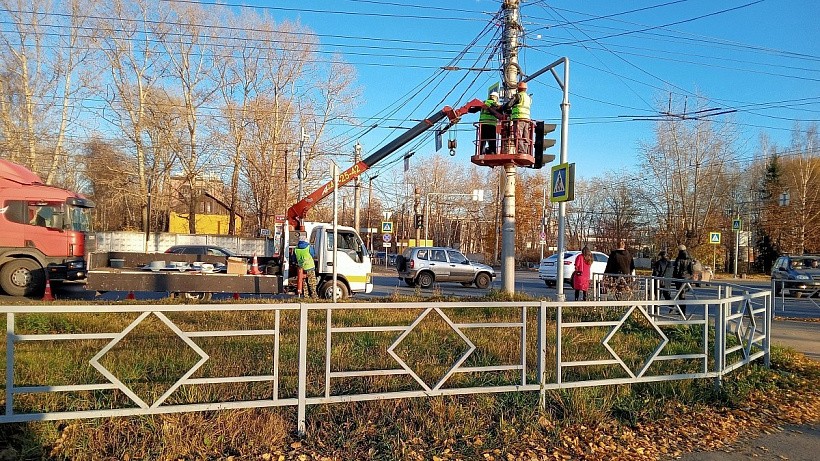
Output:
[[476, 196]]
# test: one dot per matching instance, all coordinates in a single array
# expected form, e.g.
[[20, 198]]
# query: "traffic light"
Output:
[[541, 144], [419, 221]]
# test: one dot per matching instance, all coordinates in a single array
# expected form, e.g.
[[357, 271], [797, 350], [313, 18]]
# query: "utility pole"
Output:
[[300, 173], [357, 156], [510, 76], [416, 202]]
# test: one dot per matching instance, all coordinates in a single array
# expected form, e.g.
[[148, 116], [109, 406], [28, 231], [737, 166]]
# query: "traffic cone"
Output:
[[47, 295], [130, 295], [255, 266]]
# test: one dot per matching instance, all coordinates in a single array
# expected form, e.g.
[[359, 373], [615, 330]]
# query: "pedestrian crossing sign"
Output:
[[714, 238], [562, 183], [736, 225], [387, 227]]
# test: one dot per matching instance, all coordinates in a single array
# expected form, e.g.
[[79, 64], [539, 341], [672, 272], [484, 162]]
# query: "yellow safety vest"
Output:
[[521, 110], [304, 258], [487, 117]]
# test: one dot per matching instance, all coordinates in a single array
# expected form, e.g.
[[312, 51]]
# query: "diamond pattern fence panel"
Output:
[[65, 362]]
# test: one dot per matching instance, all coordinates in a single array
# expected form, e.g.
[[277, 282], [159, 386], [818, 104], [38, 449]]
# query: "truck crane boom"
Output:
[[296, 213]]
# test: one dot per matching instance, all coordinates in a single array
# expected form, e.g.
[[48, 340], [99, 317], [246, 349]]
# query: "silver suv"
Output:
[[424, 266]]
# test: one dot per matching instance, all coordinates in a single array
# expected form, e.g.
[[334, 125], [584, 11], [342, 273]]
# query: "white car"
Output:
[[546, 271]]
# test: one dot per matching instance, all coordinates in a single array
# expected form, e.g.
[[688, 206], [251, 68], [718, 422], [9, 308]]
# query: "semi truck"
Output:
[[353, 267], [43, 231]]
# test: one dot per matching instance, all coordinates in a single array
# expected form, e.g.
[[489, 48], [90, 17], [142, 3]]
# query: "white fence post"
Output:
[[303, 341]]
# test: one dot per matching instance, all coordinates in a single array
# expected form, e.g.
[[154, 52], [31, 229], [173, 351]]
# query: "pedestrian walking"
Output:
[[489, 122], [304, 259], [663, 270], [620, 267], [684, 270], [582, 274], [620, 261]]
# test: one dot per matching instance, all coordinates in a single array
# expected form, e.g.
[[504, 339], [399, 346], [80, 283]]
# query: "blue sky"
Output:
[[759, 58]]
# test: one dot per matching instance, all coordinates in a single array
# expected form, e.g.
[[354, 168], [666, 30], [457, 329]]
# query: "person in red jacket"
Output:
[[582, 274]]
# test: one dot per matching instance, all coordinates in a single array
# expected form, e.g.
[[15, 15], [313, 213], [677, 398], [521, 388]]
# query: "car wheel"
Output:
[[550, 283], [410, 282], [482, 280], [778, 288], [326, 291], [22, 277], [425, 280]]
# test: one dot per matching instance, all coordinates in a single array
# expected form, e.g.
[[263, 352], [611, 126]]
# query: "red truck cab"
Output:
[[42, 231]]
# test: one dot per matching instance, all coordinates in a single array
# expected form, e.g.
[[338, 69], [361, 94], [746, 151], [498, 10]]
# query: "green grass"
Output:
[[151, 359]]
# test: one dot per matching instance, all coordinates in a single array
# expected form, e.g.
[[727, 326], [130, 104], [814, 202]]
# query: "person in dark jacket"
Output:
[[684, 270], [620, 261], [663, 268]]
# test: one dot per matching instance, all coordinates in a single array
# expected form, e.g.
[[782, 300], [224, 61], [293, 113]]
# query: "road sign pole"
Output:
[[737, 248]]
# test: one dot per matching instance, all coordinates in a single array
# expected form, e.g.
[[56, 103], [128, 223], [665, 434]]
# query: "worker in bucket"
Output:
[[519, 110], [304, 260], [489, 120]]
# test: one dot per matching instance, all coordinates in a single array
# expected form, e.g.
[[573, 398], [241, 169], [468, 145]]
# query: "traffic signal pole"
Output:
[[562, 206]]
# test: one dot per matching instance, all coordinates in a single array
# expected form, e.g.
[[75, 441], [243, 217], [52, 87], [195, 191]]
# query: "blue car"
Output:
[[797, 275]]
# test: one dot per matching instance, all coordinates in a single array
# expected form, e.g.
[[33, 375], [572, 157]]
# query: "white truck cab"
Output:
[[353, 270]]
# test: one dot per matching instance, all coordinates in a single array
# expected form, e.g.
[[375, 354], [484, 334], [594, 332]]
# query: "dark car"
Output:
[[798, 275], [200, 250]]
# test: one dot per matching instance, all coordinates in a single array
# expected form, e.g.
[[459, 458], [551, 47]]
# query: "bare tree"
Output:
[[45, 52], [687, 166], [134, 61], [190, 55]]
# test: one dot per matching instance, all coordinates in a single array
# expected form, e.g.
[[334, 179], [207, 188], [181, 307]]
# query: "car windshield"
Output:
[[807, 263]]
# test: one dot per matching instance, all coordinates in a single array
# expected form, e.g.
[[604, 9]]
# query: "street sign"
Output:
[[387, 227], [386, 237], [386, 245], [543, 235], [736, 225], [562, 183], [714, 238]]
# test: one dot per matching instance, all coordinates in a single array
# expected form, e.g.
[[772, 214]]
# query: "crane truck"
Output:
[[353, 268], [43, 232]]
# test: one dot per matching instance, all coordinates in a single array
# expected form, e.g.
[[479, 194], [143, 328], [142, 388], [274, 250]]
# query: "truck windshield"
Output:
[[78, 218]]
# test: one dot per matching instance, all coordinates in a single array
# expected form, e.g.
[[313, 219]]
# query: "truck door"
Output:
[[354, 262]]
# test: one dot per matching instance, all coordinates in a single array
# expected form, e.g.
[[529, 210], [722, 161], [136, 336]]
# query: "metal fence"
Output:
[[65, 362]]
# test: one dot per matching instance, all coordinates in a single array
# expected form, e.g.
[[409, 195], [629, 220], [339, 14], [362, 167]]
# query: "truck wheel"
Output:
[[200, 295], [326, 291], [22, 277], [482, 281], [425, 280]]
